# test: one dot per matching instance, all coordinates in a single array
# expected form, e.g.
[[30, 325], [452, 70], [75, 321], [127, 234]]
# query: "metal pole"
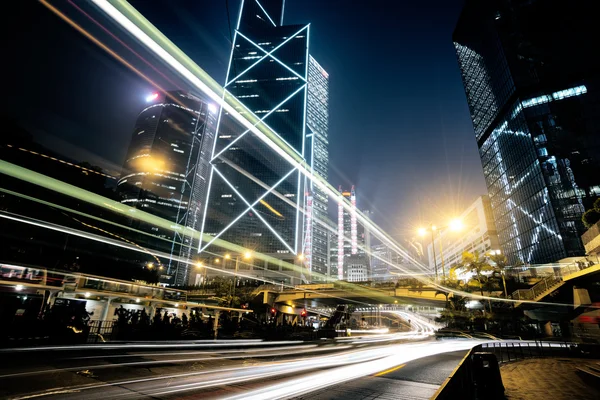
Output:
[[434, 257], [442, 254], [237, 260]]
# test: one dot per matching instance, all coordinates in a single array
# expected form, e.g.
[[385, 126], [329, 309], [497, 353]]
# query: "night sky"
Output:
[[399, 123]]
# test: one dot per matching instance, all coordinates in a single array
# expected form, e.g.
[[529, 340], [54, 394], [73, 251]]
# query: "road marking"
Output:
[[48, 393], [387, 371]]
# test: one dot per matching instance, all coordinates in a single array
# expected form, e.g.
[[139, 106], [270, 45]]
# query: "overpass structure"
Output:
[[359, 295], [555, 278]]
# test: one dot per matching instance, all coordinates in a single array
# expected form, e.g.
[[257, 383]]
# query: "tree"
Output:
[[592, 216], [501, 262], [478, 265]]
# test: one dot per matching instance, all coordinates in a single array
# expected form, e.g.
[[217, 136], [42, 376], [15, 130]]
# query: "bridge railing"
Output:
[[534, 292]]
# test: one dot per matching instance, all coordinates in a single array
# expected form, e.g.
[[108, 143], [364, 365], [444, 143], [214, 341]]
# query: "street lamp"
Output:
[[454, 225], [247, 256]]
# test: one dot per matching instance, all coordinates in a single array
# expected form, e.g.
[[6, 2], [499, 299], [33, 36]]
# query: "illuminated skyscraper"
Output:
[[532, 80], [165, 172], [351, 237], [256, 196], [317, 120]]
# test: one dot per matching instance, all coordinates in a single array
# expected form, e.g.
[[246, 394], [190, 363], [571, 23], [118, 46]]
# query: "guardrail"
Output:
[[469, 381]]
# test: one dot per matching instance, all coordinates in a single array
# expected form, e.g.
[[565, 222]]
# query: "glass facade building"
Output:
[[532, 83], [256, 196], [317, 120], [165, 172]]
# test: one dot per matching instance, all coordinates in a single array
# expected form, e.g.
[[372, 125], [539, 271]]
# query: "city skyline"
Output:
[[266, 199], [51, 125]]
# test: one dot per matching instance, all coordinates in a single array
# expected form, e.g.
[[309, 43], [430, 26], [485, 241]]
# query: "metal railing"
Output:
[[514, 351], [100, 331], [461, 384], [537, 290]]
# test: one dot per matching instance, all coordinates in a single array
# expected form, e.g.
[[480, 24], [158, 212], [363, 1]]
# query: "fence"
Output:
[[514, 351], [101, 331], [461, 383]]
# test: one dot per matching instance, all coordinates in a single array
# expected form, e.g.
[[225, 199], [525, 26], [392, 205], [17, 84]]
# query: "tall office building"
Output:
[[257, 199], [352, 238], [532, 80], [317, 119], [347, 229], [165, 172]]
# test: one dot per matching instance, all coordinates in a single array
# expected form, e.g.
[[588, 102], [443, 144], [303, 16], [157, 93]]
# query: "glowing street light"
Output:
[[199, 265], [247, 255], [456, 225], [301, 257], [152, 97], [227, 256], [150, 265]]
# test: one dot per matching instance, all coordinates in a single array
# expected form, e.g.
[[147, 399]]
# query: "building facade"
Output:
[[257, 199], [533, 94], [316, 202], [478, 235], [347, 234], [382, 260], [165, 172]]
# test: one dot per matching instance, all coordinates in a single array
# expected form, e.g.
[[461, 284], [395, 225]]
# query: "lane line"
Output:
[[387, 371]]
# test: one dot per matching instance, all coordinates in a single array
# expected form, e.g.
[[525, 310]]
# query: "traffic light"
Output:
[[303, 313], [273, 311]]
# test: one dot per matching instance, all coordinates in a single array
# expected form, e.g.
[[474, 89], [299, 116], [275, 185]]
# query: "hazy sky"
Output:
[[399, 123]]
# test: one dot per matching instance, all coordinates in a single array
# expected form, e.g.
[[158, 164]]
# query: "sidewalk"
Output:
[[549, 378]]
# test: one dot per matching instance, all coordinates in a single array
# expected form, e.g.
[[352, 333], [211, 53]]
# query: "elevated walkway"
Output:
[[553, 281], [426, 296]]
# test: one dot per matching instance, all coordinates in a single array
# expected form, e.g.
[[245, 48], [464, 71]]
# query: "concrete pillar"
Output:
[[106, 308], [216, 323], [547, 329]]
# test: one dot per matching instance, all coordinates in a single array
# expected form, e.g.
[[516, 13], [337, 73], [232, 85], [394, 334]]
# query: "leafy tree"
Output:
[[481, 269], [592, 216]]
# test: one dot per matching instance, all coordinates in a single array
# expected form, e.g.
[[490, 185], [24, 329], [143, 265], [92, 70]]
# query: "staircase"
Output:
[[539, 290]]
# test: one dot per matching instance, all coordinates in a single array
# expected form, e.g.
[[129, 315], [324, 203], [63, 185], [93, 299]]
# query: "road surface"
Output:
[[238, 370]]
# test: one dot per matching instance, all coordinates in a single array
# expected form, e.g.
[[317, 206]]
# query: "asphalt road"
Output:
[[344, 368], [417, 379]]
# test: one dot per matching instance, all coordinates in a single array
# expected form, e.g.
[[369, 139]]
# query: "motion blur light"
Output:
[[87, 294], [212, 108], [152, 97], [137, 300], [19, 288]]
